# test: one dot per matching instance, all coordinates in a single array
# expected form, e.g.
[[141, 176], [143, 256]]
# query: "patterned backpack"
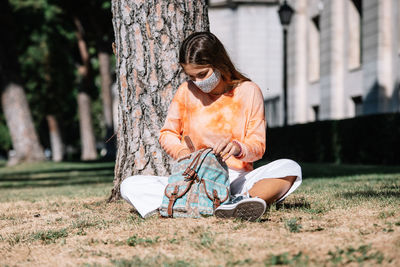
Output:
[[198, 185]]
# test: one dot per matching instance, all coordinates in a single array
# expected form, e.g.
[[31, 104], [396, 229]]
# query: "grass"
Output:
[[56, 214], [293, 226]]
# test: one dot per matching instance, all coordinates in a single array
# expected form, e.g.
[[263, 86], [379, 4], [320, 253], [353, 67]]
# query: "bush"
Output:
[[370, 139], [5, 139]]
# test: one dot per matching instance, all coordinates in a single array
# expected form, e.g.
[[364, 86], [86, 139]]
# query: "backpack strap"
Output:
[[189, 143], [190, 171], [172, 200], [215, 198], [174, 196]]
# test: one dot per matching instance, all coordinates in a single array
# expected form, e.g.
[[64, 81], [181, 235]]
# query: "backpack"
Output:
[[198, 185]]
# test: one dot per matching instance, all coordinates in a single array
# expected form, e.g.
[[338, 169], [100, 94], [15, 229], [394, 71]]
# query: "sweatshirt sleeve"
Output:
[[253, 145], [171, 132]]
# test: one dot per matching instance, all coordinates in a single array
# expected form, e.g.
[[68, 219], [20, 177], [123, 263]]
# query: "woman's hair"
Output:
[[204, 48]]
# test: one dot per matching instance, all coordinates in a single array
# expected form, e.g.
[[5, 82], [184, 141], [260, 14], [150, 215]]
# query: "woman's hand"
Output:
[[225, 149]]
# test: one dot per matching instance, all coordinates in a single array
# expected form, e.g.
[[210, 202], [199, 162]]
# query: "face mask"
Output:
[[210, 83]]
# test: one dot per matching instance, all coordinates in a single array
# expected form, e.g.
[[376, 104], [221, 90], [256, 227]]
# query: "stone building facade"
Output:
[[343, 55]]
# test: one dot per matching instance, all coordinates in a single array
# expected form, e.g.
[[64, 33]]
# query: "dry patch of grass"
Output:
[[337, 221], [89, 231]]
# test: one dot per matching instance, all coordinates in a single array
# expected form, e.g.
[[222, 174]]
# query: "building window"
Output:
[[313, 49], [358, 105], [316, 112], [354, 13]]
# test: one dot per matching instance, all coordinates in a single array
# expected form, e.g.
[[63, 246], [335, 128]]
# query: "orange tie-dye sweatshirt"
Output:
[[206, 119]]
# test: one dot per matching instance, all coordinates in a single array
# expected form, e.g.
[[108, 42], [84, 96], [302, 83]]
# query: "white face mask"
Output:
[[209, 84]]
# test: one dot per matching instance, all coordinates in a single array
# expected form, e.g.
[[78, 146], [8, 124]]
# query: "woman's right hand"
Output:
[[225, 149]]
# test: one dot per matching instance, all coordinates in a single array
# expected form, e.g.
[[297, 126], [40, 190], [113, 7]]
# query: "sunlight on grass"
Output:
[[57, 212], [53, 180]]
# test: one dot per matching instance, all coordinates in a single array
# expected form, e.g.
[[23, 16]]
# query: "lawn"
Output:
[[56, 214]]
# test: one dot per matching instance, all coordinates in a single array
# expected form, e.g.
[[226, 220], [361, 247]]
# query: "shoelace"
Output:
[[246, 195]]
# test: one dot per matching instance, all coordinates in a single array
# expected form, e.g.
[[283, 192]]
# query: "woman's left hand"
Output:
[[225, 149]]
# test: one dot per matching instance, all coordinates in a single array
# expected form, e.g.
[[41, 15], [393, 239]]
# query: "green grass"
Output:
[[51, 180], [293, 225], [135, 241], [48, 206], [50, 236]]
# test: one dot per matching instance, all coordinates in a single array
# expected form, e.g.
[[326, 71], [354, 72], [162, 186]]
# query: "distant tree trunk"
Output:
[[102, 31], [20, 124], [115, 101], [106, 81], [57, 146], [86, 127], [148, 35], [88, 141], [15, 105]]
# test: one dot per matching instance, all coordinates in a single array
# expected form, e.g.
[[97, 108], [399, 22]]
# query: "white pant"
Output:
[[146, 192]]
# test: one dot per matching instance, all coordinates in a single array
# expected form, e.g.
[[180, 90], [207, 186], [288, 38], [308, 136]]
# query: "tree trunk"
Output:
[[88, 141], [86, 127], [19, 121], [15, 105], [148, 35], [57, 146], [105, 74]]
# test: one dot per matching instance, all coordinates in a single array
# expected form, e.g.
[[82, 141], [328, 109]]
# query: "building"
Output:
[[343, 55]]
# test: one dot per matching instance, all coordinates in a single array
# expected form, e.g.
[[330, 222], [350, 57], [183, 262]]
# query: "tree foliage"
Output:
[[48, 56]]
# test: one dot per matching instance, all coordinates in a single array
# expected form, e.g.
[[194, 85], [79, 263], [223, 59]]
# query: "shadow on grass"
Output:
[[57, 175], [330, 170], [391, 187], [48, 174], [57, 181], [294, 205], [369, 194], [83, 168]]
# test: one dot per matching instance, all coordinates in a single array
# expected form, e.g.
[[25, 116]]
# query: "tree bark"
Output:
[[57, 146], [15, 105], [88, 141], [148, 35]]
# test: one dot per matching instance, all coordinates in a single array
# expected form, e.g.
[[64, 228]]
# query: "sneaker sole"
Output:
[[249, 211], [224, 213]]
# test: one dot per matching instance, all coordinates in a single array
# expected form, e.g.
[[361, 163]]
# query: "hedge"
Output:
[[373, 139], [5, 139]]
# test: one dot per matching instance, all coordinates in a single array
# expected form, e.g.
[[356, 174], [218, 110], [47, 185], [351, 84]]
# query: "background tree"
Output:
[[45, 48], [24, 138], [102, 36], [94, 39], [46, 45], [148, 35], [88, 140]]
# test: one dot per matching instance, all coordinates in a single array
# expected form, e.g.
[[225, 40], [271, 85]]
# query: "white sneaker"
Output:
[[243, 207]]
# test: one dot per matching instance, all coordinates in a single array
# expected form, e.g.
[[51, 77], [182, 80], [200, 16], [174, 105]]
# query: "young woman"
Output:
[[218, 107]]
